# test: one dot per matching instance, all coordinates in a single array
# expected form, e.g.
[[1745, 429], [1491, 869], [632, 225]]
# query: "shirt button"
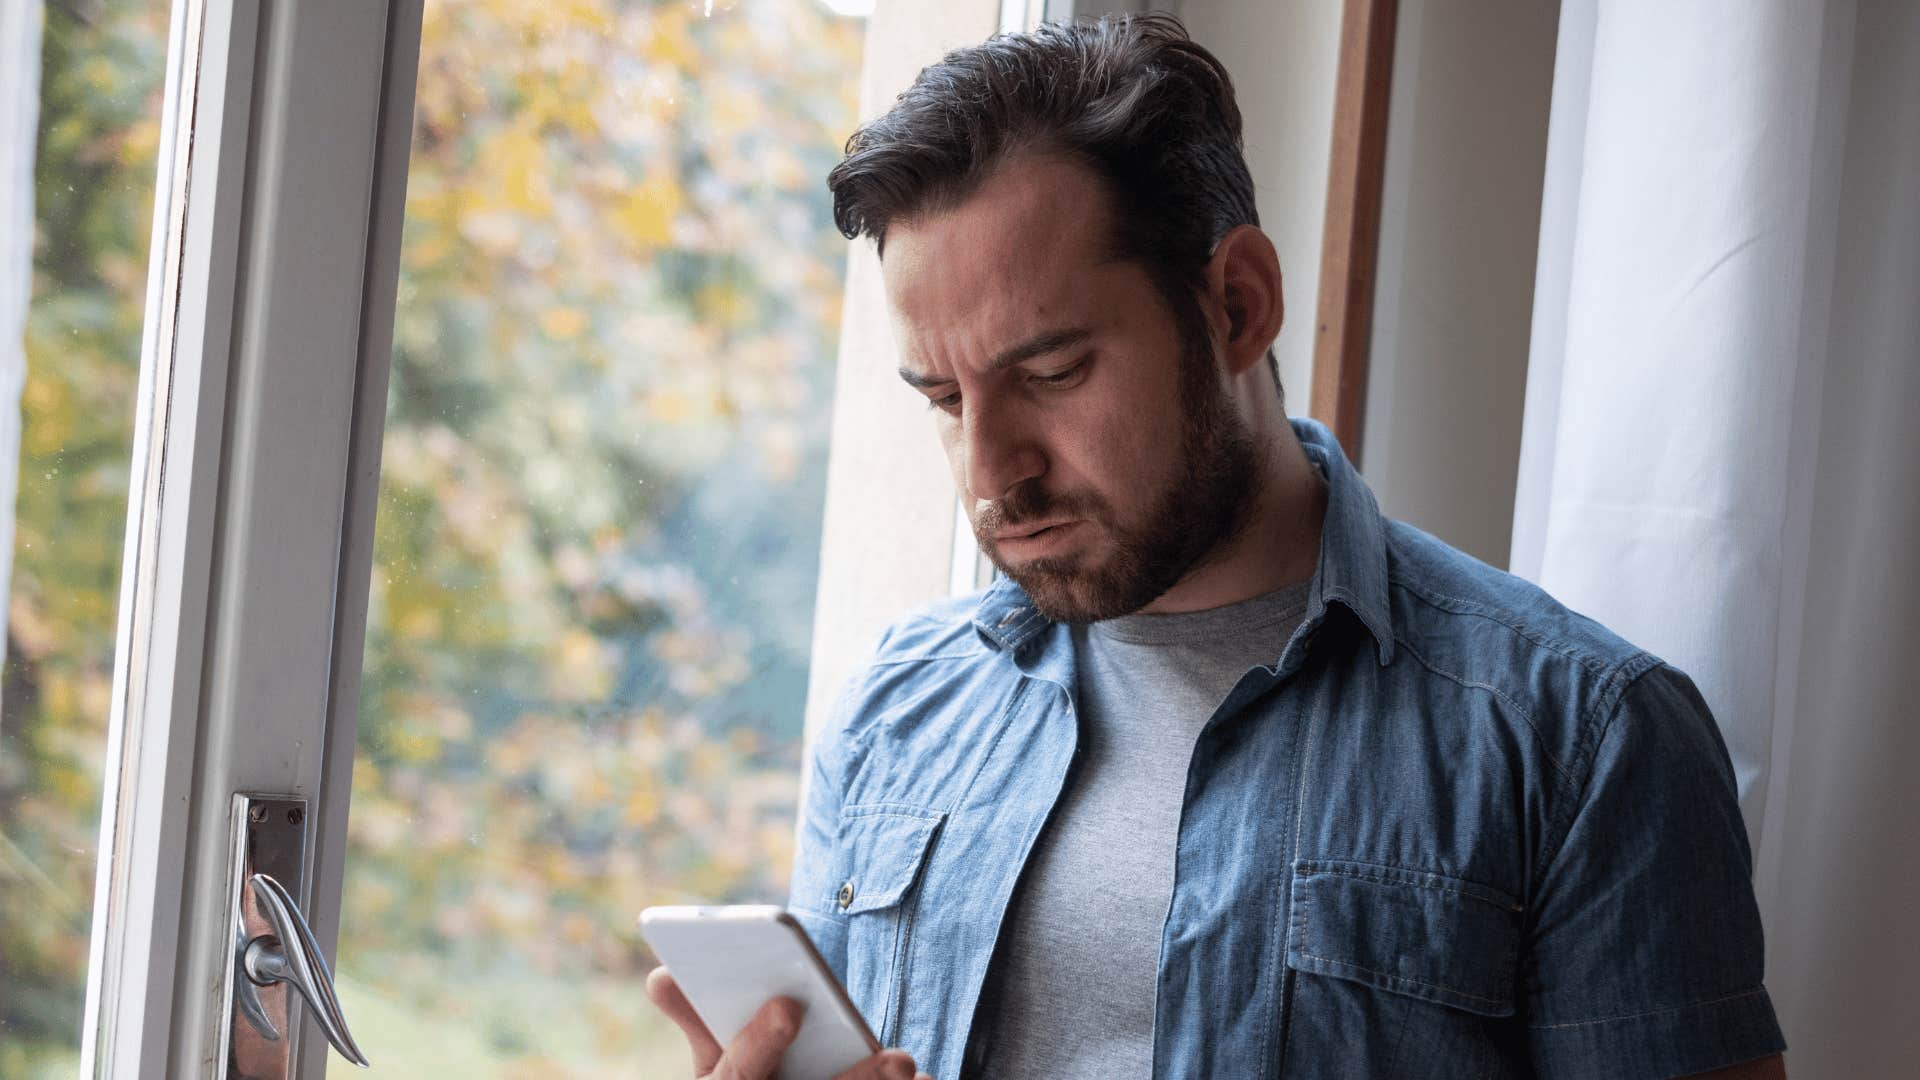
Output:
[[846, 894]]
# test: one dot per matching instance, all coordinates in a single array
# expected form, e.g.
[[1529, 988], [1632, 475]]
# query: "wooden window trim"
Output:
[[1351, 244]]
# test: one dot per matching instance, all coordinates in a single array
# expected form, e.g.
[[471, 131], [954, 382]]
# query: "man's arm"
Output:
[[1644, 933]]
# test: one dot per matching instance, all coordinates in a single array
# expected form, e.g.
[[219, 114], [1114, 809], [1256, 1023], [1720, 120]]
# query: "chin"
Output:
[[1064, 590]]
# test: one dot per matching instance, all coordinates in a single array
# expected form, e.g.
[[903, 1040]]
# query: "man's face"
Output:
[[1093, 444]]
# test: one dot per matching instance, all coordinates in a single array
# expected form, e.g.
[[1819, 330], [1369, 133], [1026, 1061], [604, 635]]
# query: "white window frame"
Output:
[[262, 407], [244, 575]]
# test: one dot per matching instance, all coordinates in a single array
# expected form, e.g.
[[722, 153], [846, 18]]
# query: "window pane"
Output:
[[85, 179], [599, 516]]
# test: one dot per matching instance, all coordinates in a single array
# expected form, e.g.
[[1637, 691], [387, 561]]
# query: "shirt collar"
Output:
[[1352, 568], [1353, 542]]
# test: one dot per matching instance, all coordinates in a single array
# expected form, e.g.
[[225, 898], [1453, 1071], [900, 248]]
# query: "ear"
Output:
[[1243, 287]]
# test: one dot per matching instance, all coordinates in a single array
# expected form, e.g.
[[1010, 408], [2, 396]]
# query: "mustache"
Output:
[[1028, 503]]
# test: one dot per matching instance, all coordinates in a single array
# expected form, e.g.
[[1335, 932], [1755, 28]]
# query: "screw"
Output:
[[256, 813], [295, 816]]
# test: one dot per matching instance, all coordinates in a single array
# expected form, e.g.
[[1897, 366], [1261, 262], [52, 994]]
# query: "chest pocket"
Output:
[[1410, 971], [882, 851]]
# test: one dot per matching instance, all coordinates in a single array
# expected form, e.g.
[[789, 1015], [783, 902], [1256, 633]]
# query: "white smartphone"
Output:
[[730, 960]]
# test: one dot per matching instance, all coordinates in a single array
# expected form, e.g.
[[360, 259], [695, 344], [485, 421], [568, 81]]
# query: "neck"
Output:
[[1279, 546]]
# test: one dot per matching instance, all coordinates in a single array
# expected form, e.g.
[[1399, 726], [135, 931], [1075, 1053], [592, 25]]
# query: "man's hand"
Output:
[[755, 1053]]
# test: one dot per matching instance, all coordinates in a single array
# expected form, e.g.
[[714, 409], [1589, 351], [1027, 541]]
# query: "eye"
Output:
[[945, 404], [1063, 379]]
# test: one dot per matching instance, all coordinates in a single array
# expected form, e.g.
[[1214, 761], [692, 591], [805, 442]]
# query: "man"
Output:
[[1228, 775]]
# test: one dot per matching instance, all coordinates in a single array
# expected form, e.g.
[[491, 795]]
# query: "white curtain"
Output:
[[19, 113], [1721, 451]]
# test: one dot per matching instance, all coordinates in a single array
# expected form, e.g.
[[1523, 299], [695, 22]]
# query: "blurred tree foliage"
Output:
[[102, 64], [599, 512]]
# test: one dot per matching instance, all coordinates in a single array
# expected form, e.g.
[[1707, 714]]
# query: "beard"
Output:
[[1203, 505]]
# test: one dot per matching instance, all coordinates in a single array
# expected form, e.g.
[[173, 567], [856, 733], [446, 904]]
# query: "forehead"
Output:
[[1030, 244]]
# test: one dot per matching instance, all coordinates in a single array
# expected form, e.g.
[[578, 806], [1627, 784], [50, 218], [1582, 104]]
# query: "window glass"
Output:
[[77, 153], [599, 519]]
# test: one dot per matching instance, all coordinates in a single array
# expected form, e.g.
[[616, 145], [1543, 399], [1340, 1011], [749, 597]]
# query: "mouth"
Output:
[[1028, 532], [1037, 541]]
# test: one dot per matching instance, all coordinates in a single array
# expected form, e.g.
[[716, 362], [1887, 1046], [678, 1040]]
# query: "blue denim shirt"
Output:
[[1455, 830]]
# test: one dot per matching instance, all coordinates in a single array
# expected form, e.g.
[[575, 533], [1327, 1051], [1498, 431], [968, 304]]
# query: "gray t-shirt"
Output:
[[1071, 990]]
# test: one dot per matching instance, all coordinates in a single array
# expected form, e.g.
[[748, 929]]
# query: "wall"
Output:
[[886, 545], [1466, 153], [1282, 57]]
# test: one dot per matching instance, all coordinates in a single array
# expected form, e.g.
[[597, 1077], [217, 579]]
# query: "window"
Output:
[[74, 234], [599, 521]]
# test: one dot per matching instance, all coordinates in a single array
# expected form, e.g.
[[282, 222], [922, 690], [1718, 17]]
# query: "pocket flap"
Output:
[[884, 846], [1427, 936]]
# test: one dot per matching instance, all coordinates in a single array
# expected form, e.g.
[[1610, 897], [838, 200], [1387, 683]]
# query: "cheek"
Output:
[[956, 451], [1121, 450]]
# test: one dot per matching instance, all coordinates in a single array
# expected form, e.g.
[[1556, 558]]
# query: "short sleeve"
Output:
[[1645, 954]]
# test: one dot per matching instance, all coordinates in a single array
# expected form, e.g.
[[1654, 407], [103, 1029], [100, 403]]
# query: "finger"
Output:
[[885, 1065], [755, 1053], [666, 996]]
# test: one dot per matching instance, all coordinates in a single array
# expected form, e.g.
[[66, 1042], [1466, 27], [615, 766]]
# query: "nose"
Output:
[[999, 451]]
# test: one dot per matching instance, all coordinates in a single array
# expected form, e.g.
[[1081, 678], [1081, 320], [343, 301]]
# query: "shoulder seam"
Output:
[[889, 661], [1525, 713], [1592, 731], [1460, 606]]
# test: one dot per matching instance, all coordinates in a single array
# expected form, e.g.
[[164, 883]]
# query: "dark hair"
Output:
[[1132, 96]]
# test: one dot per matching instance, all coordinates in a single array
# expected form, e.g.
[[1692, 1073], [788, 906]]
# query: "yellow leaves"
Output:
[[419, 623], [430, 250], [579, 669], [47, 406], [559, 97], [732, 109], [540, 19], [563, 323], [709, 763], [513, 166], [413, 747], [644, 215], [100, 75], [140, 145], [670, 44], [642, 805], [725, 302], [669, 406]]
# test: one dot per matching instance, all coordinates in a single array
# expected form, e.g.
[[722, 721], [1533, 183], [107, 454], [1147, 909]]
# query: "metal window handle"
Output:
[[291, 955]]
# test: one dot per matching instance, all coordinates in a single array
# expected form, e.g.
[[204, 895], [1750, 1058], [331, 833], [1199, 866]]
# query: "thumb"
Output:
[[755, 1053]]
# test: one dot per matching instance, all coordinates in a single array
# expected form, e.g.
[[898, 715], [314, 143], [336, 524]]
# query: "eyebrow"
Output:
[[1039, 345]]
